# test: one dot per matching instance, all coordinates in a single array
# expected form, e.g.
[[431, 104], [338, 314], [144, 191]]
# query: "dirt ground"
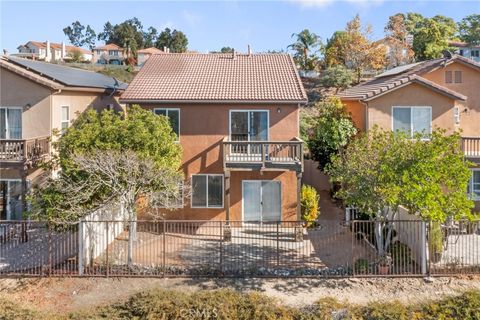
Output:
[[70, 294]]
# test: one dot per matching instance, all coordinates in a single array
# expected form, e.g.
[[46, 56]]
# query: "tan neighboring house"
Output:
[[237, 119], [144, 54], [443, 93], [50, 51], [109, 54], [35, 99]]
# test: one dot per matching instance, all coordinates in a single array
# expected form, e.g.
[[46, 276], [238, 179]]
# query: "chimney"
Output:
[[234, 54], [64, 51], [5, 52], [48, 56], [165, 49], [249, 51]]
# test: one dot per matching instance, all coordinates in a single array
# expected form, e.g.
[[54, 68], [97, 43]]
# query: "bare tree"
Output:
[[112, 177]]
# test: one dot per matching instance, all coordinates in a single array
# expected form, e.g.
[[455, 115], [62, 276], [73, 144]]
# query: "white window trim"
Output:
[[470, 183], [179, 118], [248, 119], [62, 121], [206, 192], [411, 122]]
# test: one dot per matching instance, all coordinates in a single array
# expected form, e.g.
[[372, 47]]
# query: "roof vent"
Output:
[[234, 54], [249, 50]]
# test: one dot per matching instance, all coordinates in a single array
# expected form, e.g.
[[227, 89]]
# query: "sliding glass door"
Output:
[[10, 123], [262, 201]]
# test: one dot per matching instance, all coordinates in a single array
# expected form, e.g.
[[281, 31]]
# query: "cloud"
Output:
[[191, 18]]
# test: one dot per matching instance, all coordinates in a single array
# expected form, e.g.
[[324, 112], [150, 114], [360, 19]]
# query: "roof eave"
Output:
[[130, 101]]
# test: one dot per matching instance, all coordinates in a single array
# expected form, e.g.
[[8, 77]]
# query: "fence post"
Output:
[[106, 250], [278, 244], [423, 235], [164, 246], [81, 244]]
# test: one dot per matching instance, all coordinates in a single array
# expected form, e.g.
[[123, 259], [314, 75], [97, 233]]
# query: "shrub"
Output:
[[465, 306], [338, 77], [385, 311], [401, 254], [435, 242], [309, 205], [361, 266]]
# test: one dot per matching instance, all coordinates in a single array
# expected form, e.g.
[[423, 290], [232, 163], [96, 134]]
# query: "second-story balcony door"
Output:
[[10, 123], [248, 125]]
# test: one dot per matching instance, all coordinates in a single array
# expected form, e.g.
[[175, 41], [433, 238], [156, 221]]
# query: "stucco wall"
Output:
[[358, 113], [202, 129], [380, 109], [17, 91], [470, 87]]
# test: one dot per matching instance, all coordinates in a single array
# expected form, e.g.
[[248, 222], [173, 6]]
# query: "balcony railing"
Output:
[[24, 151], [276, 155], [471, 147]]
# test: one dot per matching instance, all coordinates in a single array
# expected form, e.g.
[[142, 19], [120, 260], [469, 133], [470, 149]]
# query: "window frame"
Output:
[[458, 73], [248, 111], [471, 184], [62, 121], [166, 112], [411, 134], [7, 127], [207, 206], [450, 73]]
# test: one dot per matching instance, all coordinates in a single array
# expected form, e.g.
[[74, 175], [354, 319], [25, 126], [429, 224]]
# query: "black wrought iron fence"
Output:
[[237, 249]]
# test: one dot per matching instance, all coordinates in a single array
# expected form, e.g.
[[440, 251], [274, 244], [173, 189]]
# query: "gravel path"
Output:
[[70, 294]]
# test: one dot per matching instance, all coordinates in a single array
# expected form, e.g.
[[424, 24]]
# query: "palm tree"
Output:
[[306, 46]]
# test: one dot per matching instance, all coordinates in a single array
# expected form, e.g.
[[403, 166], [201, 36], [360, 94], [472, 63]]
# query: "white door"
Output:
[[262, 201]]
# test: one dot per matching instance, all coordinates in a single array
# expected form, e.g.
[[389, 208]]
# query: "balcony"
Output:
[[263, 155], [27, 152], [471, 147]]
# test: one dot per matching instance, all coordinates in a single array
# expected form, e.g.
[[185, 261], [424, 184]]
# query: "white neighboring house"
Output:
[[50, 51], [466, 50]]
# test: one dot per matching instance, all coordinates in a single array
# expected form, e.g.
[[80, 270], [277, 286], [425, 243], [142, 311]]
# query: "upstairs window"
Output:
[[448, 76], [65, 118], [474, 185], [173, 116], [458, 76], [475, 53], [412, 120], [113, 52], [460, 52]]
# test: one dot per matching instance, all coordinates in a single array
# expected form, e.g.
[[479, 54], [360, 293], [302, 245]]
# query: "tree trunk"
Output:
[[132, 233]]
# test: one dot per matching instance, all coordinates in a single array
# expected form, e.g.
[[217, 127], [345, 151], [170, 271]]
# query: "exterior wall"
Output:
[[78, 102], [17, 91], [380, 109], [202, 129], [358, 112], [469, 118]]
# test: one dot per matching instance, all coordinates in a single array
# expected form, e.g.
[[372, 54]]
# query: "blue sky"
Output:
[[265, 25]]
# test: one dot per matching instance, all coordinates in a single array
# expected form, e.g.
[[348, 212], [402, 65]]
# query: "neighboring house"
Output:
[[398, 53], [37, 98], [466, 50], [441, 93], [51, 52], [109, 54], [144, 54], [237, 119]]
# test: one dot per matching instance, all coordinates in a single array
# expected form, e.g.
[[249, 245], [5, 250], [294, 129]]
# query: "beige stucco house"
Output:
[[51, 51], [443, 93], [37, 98], [109, 54]]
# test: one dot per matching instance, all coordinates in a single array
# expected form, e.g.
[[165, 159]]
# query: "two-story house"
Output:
[[37, 98], [108, 54], [466, 50], [51, 52], [237, 119], [443, 93]]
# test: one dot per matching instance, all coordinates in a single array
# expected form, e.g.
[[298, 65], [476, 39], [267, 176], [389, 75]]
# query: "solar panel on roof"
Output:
[[69, 76], [398, 70]]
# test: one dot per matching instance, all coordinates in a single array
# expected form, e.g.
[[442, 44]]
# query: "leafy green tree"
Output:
[[226, 50], [306, 49], [79, 35], [335, 50], [128, 34], [175, 41], [145, 135], [430, 35], [469, 29], [75, 56], [332, 130], [107, 32], [338, 77], [396, 32], [150, 37], [381, 171]]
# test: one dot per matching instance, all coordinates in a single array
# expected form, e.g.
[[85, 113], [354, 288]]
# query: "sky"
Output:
[[211, 25]]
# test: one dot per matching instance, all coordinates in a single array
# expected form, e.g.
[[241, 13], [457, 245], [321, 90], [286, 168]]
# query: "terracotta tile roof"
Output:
[[57, 46], [462, 44], [110, 46], [151, 50], [216, 78], [402, 76]]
